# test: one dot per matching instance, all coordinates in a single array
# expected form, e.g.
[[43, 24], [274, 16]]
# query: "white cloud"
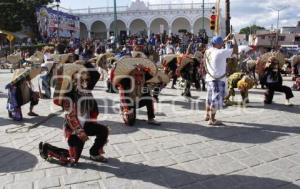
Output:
[[245, 13]]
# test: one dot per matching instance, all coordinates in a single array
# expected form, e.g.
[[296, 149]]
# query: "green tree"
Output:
[[250, 30], [16, 14]]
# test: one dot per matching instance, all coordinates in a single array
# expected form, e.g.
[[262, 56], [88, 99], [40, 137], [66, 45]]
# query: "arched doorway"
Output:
[[98, 30], [199, 24], [158, 25], [83, 31], [121, 28], [138, 27], [180, 25]]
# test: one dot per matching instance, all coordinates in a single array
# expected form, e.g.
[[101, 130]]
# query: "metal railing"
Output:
[[151, 7]]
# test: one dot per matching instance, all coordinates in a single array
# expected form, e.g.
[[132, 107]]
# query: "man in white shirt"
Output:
[[215, 64]]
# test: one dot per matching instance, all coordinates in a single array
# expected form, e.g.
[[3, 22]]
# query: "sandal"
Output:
[[99, 158], [153, 122], [32, 114], [214, 123], [207, 118]]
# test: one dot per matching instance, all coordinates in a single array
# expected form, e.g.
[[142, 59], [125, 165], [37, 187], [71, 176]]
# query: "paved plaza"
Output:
[[257, 148]]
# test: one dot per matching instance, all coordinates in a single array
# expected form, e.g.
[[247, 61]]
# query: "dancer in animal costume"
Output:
[[20, 92], [157, 83], [170, 66], [296, 72], [110, 68], [199, 56], [130, 77], [241, 81], [273, 80], [73, 93], [45, 78], [188, 70]]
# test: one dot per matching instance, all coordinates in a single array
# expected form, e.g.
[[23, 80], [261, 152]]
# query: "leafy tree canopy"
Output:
[[16, 14], [252, 29]]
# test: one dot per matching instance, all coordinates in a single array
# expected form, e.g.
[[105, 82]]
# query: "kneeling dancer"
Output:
[[81, 115], [273, 80]]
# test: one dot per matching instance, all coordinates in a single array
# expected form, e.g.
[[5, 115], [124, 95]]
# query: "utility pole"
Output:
[[277, 28], [227, 16], [115, 21], [278, 13], [203, 16]]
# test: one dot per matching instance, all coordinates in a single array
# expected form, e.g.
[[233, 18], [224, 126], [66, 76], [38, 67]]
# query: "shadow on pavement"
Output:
[[13, 160], [25, 121], [3, 95], [189, 103], [174, 178], [232, 132], [241, 134], [278, 107]]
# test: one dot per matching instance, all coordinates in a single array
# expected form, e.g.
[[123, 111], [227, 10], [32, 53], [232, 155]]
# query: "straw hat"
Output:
[[48, 65], [56, 57], [295, 60], [111, 60], [62, 58], [168, 58], [184, 60], [102, 60], [22, 73], [160, 77], [36, 58], [14, 58], [138, 54], [64, 78], [80, 62], [125, 66], [277, 55]]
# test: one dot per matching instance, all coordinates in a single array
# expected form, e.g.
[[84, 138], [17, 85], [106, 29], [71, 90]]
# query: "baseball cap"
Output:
[[217, 40]]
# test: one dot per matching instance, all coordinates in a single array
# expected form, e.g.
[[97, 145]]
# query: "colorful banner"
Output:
[[49, 20]]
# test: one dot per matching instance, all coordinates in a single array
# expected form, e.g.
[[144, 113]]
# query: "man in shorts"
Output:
[[215, 64]]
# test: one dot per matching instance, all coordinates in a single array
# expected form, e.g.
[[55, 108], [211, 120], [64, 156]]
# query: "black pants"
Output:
[[76, 145], [110, 87], [174, 80], [91, 129], [148, 102], [187, 88], [271, 88]]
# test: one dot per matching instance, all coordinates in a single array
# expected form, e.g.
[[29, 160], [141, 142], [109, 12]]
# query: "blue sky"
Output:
[[244, 12]]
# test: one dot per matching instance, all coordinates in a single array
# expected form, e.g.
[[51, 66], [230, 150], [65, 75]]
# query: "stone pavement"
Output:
[[257, 148]]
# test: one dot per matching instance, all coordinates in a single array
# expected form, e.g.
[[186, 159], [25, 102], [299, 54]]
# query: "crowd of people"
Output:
[[151, 63]]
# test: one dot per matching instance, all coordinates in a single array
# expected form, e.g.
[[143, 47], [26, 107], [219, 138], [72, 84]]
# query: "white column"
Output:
[[128, 31], [148, 31], [89, 34], [107, 34], [170, 30]]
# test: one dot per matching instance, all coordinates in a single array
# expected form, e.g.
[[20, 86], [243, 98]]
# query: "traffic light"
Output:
[[213, 19]]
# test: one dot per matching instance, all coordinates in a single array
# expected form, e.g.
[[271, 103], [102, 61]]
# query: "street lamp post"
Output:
[[115, 20], [58, 19]]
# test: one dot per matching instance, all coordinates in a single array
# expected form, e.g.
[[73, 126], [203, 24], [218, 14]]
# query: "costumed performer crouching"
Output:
[[273, 80], [241, 81], [73, 92]]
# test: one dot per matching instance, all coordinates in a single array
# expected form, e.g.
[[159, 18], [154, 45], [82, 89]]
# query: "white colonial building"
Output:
[[98, 23]]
